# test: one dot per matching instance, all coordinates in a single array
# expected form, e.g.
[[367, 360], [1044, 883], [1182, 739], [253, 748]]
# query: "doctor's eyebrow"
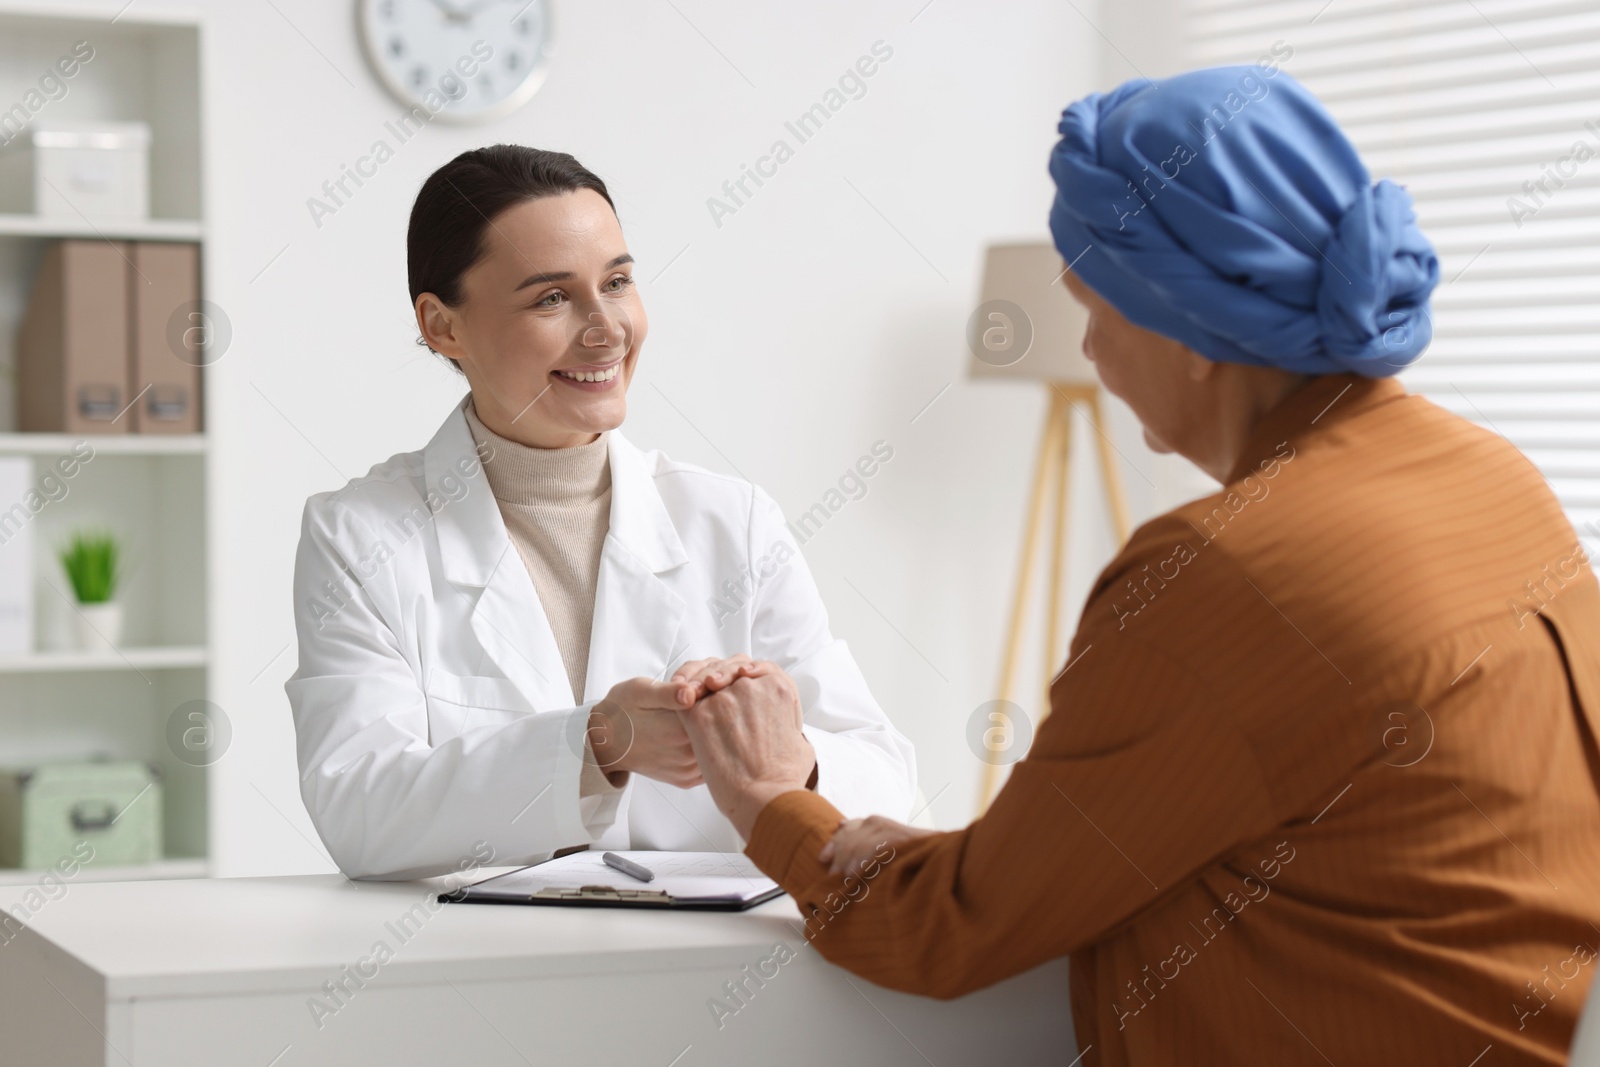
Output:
[[563, 275]]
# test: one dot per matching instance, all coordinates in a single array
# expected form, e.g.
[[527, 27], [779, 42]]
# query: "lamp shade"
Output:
[[1027, 325]]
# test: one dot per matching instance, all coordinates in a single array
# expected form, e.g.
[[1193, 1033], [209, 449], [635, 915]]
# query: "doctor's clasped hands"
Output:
[[748, 743], [742, 720], [642, 724]]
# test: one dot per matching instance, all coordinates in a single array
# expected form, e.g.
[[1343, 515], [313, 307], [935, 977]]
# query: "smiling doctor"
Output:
[[497, 632]]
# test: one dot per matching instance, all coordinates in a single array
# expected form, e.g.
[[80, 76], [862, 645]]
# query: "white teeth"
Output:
[[592, 376]]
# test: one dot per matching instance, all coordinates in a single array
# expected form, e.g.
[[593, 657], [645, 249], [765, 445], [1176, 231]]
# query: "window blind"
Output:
[[1488, 111]]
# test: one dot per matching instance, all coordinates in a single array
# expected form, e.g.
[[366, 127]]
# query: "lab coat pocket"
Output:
[[460, 703]]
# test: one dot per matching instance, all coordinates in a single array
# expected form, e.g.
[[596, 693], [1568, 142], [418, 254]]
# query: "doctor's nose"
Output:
[[603, 330]]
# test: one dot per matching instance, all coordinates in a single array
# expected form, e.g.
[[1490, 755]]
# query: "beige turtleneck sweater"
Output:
[[556, 504]]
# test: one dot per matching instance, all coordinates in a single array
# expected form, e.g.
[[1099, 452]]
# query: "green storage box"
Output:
[[112, 806]]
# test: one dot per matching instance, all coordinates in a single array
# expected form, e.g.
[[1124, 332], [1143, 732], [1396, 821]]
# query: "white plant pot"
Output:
[[99, 626]]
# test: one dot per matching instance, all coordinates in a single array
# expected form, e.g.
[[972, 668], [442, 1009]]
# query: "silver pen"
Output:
[[628, 867]]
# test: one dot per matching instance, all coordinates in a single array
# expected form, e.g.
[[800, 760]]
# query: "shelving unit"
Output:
[[149, 230], [162, 870], [123, 659], [133, 444], [58, 702]]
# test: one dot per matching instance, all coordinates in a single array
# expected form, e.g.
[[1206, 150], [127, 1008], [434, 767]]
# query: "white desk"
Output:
[[220, 972]]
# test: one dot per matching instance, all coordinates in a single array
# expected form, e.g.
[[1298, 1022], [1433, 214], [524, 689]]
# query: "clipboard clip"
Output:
[[603, 892]]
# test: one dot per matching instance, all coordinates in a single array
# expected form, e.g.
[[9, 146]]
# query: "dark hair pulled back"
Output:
[[454, 208]]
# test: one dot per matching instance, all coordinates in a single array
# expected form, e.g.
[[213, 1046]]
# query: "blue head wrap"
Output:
[[1225, 208]]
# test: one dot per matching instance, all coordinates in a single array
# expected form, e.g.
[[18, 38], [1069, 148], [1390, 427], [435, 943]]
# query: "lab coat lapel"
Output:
[[511, 625], [481, 562], [638, 619]]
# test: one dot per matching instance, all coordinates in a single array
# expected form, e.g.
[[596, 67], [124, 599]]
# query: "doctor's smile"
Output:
[[594, 376]]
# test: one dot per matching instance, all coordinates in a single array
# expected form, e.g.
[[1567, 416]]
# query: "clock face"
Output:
[[461, 60]]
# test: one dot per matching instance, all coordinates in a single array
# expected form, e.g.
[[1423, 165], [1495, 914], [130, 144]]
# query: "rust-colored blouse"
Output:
[[1321, 784]]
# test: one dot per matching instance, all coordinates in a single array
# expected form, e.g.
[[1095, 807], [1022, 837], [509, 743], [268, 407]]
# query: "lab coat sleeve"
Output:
[[598, 798], [387, 803], [864, 765]]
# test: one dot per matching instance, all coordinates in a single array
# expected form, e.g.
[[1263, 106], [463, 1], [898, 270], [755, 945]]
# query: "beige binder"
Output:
[[72, 350], [165, 282]]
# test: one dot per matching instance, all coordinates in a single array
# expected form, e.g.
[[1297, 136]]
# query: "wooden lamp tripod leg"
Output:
[[1053, 444], [1054, 465], [1058, 557], [1109, 472]]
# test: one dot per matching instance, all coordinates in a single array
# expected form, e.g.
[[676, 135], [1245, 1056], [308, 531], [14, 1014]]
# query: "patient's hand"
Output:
[[749, 744], [636, 728], [858, 842], [707, 676]]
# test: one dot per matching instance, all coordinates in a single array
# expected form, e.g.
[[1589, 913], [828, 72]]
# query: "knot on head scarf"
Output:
[[1225, 208]]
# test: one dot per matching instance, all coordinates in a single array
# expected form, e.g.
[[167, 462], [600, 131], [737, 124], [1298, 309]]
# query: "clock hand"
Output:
[[450, 12], [472, 12]]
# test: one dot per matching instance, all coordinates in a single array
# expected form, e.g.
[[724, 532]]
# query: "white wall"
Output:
[[789, 339]]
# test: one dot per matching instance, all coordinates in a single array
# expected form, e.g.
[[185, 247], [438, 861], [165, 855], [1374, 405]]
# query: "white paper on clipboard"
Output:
[[685, 877]]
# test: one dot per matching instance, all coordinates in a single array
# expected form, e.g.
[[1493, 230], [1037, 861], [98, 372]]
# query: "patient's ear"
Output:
[[1197, 367]]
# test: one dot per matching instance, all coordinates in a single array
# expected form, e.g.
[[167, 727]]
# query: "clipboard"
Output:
[[689, 881]]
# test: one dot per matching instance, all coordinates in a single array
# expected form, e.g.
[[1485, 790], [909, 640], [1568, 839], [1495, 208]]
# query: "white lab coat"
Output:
[[431, 707]]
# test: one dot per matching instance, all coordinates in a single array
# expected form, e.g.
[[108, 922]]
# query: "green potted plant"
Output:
[[92, 560]]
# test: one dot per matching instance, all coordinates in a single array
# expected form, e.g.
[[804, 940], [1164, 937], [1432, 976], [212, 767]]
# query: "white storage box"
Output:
[[98, 171]]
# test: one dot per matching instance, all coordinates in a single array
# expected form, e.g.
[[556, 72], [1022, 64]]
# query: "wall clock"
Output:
[[463, 60]]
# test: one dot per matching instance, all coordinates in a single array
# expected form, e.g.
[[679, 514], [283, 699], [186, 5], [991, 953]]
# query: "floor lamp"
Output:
[[1029, 327]]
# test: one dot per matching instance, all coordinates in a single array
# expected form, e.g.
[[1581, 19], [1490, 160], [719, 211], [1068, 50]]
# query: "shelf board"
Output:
[[120, 444], [146, 230], [161, 869], [153, 658]]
